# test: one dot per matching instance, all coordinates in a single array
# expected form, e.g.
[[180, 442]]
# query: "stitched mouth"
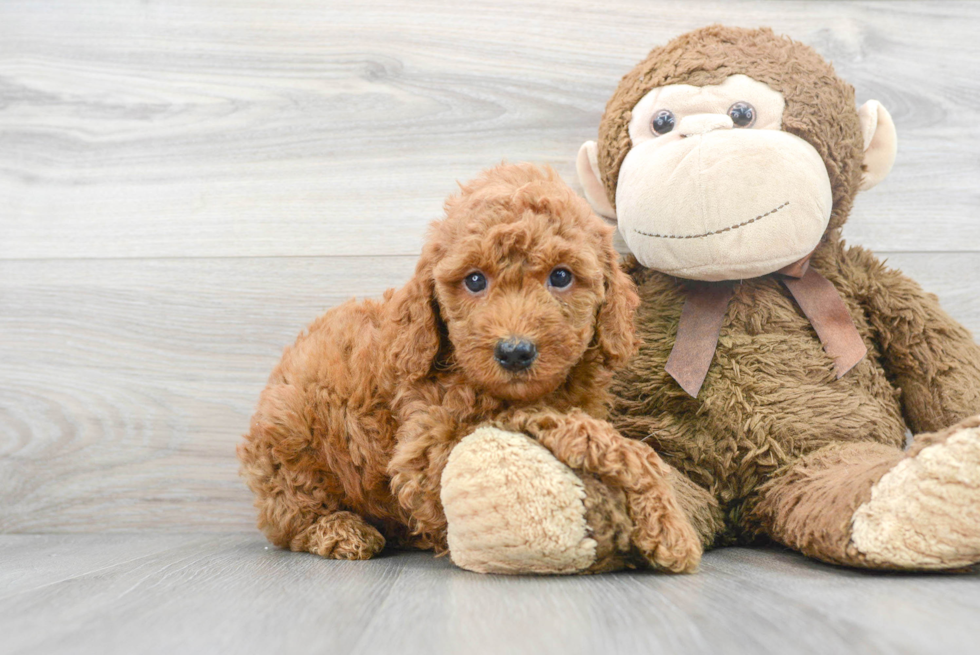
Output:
[[708, 234]]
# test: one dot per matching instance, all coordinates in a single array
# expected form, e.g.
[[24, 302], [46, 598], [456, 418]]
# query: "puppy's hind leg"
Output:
[[299, 497], [340, 535], [307, 518]]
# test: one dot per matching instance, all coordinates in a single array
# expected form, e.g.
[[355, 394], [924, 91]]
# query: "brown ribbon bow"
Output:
[[707, 302]]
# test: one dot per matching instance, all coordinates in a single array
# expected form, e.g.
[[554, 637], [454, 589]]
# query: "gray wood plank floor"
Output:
[[234, 593], [185, 184]]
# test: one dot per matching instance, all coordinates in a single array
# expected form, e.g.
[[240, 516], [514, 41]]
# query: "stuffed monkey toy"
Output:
[[780, 370]]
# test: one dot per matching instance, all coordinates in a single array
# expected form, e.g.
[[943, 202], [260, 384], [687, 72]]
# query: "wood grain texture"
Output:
[[174, 129], [126, 384], [208, 594]]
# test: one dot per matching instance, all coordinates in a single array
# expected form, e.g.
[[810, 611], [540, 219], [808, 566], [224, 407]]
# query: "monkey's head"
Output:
[[730, 153]]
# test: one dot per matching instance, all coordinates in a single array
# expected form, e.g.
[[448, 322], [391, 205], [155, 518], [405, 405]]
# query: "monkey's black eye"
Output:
[[742, 114], [663, 122], [560, 278], [475, 282]]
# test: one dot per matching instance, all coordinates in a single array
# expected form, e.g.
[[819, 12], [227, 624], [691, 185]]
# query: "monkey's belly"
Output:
[[770, 398], [771, 393]]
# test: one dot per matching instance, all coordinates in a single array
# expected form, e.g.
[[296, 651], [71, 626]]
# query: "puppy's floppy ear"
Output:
[[414, 325], [615, 331]]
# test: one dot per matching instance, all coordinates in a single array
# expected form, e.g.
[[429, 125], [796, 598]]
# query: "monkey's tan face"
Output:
[[713, 189]]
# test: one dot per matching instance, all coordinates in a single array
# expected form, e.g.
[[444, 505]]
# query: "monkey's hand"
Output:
[[661, 531]]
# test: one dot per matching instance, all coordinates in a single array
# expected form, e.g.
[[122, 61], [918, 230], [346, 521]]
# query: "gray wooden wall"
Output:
[[184, 185]]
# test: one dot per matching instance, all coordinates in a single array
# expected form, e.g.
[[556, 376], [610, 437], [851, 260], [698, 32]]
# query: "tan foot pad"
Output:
[[925, 512], [513, 508]]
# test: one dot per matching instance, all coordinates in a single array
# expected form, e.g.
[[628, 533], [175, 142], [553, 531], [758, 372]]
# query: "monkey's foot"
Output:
[[341, 535], [925, 512], [513, 508]]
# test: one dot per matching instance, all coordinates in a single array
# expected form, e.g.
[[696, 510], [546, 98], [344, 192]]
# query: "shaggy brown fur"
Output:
[[351, 435], [775, 444]]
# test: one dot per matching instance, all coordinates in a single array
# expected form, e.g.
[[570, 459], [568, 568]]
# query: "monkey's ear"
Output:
[[587, 167], [880, 143]]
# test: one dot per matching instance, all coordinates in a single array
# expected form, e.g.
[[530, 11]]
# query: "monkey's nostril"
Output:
[[515, 354]]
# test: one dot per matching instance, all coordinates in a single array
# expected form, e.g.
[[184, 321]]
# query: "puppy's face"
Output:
[[519, 286]]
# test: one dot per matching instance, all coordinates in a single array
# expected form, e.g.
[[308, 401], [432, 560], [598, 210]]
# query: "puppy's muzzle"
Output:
[[515, 354]]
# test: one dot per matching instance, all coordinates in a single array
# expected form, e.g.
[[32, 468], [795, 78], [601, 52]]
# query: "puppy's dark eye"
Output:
[[560, 278], [663, 122], [475, 282], [742, 114]]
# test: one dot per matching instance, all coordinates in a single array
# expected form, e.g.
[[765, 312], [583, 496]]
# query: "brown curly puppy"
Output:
[[517, 308]]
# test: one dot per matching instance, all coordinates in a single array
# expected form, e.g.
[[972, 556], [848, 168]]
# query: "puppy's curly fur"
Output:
[[351, 435]]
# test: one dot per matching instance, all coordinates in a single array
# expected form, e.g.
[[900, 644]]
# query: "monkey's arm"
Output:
[[931, 357]]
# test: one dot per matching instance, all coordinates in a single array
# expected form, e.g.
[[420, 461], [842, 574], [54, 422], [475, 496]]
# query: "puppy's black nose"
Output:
[[515, 354]]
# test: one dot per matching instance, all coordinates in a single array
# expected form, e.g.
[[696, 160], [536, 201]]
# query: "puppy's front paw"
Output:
[[513, 508], [925, 512]]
